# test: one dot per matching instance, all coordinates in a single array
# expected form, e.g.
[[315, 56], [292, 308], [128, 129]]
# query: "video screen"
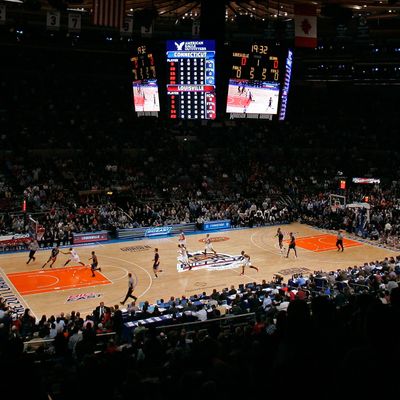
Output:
[[145, 95], [252, 97]]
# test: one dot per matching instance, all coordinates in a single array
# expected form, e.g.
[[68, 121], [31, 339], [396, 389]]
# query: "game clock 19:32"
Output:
[[256, 62]]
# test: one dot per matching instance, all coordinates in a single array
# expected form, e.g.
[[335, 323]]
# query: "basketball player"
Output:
[[246, 262], [292, 245], [209, 246], [339, 241], [74, 257], [156, 263], [131, 286], [94, 264], [182, 239], [279, 234], [53, 256], [183, 256], [33, 248]]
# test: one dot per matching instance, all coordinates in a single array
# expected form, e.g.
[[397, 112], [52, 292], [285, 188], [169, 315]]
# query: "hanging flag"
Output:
[[109, 13], [305, 20]]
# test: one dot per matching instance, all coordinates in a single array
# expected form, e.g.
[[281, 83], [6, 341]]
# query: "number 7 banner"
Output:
[[74, 22]]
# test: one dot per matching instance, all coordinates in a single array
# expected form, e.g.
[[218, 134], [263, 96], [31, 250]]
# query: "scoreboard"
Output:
[[256, 80], [144, 84], [256, 62], [191, 79]]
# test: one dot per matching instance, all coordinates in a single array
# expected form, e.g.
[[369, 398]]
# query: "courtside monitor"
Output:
[[191, 79]]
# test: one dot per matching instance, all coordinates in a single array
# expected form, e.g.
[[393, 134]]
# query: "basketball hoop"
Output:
[[40, 232]]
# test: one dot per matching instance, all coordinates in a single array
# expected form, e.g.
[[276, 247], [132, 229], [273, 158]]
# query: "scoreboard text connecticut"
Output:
[[191, 79]]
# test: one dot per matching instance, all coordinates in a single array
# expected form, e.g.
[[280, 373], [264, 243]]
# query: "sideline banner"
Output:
[[137, 233], [14, 242], [10, 296], [100, 236], [219, 224]]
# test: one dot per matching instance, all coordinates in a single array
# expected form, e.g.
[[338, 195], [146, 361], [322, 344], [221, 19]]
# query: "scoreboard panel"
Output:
[[257, 62], [144, 85], [256, 79], [191, 79]]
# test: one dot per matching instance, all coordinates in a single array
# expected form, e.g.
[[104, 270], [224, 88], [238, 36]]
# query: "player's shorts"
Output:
[[93, 266], [76, 259], [292, 246], [209, 247], [156, 265], [183, 260], [246, 264], [182, 242]]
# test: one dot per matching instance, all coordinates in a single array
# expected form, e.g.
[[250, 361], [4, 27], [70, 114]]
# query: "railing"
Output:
[[33, 345]]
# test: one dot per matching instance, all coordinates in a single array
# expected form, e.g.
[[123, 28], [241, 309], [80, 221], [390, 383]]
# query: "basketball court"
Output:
[[324, 242], [63, 289]]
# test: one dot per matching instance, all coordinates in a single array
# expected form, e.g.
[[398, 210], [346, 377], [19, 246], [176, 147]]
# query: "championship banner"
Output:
[[3, 14], [305, 21], [74, 22], [53, 20], [196, 28], [127, 28], [146, 31]]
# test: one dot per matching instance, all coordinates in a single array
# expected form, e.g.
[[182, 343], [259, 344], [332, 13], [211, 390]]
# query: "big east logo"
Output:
[[219, 261]]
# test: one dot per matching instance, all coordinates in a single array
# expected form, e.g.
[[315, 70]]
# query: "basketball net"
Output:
[[40, 232]]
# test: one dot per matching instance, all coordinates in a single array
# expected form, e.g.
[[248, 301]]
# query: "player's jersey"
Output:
[[156, 259], [74, 254]]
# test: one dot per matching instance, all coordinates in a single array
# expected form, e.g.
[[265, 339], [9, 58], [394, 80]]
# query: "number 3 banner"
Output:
[[53, 20], [74, 22]]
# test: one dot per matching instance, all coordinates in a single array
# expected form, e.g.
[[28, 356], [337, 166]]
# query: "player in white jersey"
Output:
[[73, 257], [182, 239], [245, 259], [209, 246], [183, 255]]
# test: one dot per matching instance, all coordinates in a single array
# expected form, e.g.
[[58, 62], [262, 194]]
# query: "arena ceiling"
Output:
[[265, 8], [253, 8]]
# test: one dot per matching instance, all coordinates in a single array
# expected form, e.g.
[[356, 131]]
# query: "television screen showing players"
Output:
[[252, 97], [145, 88], [145, 95], [256, 79], [191, 79]]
